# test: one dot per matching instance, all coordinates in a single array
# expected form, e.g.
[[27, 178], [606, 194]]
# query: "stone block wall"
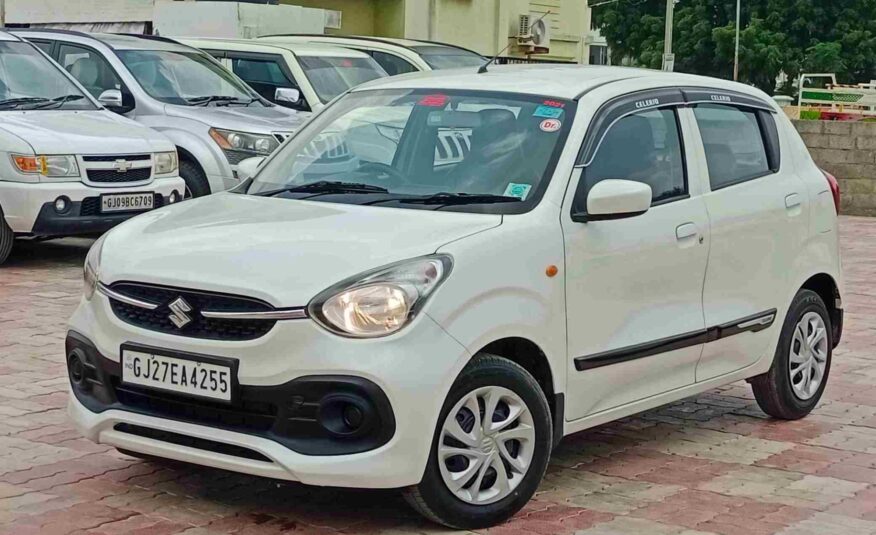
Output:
[[847, 150]]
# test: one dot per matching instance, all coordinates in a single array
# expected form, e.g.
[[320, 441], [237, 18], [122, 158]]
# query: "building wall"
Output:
[[846, 150], [77, 11], [485, 26], [358, 16]]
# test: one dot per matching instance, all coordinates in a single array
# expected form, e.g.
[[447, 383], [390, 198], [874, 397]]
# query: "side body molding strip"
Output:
[[754, 323]]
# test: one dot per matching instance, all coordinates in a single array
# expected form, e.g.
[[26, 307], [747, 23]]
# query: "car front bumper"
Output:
[[406, 377], [29, 207]]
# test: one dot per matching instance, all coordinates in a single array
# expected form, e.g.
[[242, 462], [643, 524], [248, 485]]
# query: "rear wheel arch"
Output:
[[827, 288]]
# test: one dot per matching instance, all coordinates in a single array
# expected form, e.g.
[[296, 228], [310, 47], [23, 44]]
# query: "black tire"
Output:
[[7, 237], [434, 500], [773, 390], [195, 179]]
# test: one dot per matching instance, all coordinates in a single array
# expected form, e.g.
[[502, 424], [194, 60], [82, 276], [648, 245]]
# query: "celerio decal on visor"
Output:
[[517, 190], [547, 111], [550, 125]]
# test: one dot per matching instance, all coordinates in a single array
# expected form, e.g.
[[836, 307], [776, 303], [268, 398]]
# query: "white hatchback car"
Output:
[[613, 240]]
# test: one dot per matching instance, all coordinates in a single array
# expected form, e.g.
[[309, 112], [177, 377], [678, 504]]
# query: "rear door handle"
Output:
[[792, 201], [685, 231]]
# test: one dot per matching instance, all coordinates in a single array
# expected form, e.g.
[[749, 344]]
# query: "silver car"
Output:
[[212, 116]]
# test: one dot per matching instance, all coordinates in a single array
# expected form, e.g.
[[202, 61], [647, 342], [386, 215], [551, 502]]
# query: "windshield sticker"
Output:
[[547, 111], [435, 101], [550, 125], [518, 190], [554, 103]]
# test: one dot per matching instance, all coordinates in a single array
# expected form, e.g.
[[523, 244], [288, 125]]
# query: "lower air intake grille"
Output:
[[191, 442]]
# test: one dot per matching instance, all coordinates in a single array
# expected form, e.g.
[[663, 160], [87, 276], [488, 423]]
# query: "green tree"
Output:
[[778, 36]]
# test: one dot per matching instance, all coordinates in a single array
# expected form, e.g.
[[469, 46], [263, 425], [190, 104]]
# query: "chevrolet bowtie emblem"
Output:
[[122, 166]]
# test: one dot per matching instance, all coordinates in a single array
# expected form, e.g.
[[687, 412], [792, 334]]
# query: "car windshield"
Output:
[[332, 75], [186, 78], [28, 80], [445, 57], [471, 151]]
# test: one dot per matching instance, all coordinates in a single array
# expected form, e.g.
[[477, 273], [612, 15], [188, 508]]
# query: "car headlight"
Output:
[[257, 144], [166, 162], [53, 166], [91, 272], [380, 302]]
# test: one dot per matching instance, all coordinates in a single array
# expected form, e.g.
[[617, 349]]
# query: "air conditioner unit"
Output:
[[533, 34]]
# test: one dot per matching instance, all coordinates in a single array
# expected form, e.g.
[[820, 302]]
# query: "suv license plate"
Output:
[[127, 202], [174, 374]]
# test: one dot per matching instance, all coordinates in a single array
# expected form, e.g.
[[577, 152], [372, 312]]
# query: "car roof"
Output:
[[299, 49], [365, 40], [117, 41], [6, 36], [556, 80]]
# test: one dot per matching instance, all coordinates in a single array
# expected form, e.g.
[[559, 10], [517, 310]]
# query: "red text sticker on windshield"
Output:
[[346, 63], [550, 125], [437, 101]]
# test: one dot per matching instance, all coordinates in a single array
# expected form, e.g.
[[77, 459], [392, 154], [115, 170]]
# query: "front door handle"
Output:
[[686, 231]]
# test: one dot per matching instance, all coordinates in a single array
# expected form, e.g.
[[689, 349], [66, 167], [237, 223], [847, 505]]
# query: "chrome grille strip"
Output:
[[107, 291], [281, 314]]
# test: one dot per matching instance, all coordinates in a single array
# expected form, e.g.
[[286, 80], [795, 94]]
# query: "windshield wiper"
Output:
[[325, 186], [56, 102], [203, 101], [449, 199], [15, 102]]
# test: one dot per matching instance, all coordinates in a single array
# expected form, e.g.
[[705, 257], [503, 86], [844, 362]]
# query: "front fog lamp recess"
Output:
[[62, 204], [380, 302]]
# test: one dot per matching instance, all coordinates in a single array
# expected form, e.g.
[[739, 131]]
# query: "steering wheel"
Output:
[[394, 176]]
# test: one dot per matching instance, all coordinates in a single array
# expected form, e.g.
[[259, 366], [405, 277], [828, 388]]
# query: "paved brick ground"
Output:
[[713, 464]]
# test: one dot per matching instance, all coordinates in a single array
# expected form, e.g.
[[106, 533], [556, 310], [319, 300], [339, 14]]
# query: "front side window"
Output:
[[644, 147], [445, 57], [89, 68], [330, 76], [188, 78], [391, 63], [734, 145], [457, 150], [263, 75], [29, 80]]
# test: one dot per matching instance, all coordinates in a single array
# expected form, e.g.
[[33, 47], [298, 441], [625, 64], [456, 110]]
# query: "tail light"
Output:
[[834, 189]]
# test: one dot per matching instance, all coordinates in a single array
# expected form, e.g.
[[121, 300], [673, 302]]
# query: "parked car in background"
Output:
[[396, 56], [301, 76], [68, 166], [212, 116], [613, 240]]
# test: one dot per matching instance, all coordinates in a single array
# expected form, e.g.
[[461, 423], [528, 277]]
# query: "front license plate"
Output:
[[174, 374], [127, 202]]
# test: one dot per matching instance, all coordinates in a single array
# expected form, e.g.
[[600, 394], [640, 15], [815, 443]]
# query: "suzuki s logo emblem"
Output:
[[180, 309], [122, 166]]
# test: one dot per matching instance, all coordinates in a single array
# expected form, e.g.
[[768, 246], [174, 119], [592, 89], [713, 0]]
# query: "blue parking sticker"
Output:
[[547, 111], [517, 190]]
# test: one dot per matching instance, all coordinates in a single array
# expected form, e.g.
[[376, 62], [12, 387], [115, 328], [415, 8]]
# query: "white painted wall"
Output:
[[233, 19], [77, 11]]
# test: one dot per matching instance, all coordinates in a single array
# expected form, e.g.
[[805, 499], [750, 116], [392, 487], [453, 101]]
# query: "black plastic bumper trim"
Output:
[[300, 415]]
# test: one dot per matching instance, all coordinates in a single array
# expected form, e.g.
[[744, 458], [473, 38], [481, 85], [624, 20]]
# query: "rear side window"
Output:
[[645, 147], [740, 144], [391, 63]]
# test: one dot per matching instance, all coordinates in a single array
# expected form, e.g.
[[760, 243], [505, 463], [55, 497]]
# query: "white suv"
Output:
[[613, 240], [68, 166]]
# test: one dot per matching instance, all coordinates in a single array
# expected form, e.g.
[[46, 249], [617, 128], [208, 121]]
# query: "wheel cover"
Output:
[[808, 355], [486, 445]]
